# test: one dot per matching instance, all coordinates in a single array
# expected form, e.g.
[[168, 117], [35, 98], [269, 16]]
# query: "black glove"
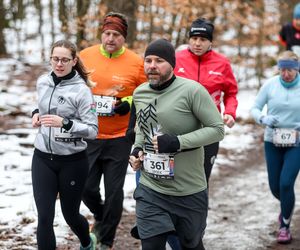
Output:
[[135, 152], [122, 108], [168, 143]]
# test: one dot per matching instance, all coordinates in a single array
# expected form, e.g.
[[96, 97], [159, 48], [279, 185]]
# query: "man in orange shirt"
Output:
[[117, 71]]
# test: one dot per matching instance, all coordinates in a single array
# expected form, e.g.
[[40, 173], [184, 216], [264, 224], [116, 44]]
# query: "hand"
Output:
[[35, 120], [228, 120], [51, 121], [136, 161], [122, 107], [269, 120]]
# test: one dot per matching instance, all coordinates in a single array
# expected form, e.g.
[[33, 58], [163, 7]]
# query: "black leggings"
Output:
[[66, 176], [210, 154], [158, 242]]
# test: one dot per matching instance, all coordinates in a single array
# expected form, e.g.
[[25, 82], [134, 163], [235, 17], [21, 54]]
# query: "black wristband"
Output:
[[168, 143]]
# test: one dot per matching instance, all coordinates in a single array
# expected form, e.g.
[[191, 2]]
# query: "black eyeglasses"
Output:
[[56, 60]]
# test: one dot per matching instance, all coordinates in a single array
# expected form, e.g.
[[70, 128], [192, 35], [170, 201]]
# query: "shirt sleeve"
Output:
[[87, 124], [205, 110], [259, 103], [230, 93]]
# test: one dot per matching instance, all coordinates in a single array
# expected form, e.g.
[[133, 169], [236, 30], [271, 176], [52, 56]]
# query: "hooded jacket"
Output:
[[70, 99]]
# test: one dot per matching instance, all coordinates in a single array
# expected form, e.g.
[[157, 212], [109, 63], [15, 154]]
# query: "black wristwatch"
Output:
[[66, 124]]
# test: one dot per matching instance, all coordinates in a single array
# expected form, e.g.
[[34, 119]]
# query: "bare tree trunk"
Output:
[[51, 9], [63, 17], [130, 10], [82, 8], [260, 40], [18, 15], [3, 51], [38, 6], [151, 21]]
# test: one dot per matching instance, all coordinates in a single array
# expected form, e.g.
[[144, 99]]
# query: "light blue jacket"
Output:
[[282, 102]]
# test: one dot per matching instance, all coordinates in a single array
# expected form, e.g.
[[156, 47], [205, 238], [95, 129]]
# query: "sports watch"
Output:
[[66, 123]]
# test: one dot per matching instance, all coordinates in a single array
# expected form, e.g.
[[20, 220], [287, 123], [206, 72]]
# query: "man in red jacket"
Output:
[[211, 69]]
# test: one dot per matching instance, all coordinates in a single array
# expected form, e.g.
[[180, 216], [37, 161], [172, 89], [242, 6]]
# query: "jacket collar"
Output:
[[202, 57], [111, 55], [57, 79]]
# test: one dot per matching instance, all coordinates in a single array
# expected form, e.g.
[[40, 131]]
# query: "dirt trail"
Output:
[[242, 211]]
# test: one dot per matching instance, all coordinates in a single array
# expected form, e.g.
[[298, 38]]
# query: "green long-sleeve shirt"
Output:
[[184, 109]]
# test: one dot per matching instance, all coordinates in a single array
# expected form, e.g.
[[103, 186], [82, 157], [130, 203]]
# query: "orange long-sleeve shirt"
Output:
[[117, 76]]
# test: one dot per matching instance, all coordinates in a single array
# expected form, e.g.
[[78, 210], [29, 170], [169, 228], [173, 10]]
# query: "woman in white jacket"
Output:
[[65, 116]]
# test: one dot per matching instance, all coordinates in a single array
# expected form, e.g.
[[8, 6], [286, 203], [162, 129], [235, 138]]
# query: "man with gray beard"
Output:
[[176, 117]]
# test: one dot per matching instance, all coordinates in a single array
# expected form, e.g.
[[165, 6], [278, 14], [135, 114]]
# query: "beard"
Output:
[[161, 79]]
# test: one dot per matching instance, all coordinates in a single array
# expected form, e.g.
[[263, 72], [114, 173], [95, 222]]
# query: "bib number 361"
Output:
[[159, 166]]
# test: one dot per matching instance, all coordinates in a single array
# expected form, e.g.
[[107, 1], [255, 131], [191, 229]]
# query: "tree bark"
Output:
[[3, 51], [63, 17], [82, 8]]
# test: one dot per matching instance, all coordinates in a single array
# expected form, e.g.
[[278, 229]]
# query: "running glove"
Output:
[[135, 151], [123, 106], [168, 143], [268, 120]]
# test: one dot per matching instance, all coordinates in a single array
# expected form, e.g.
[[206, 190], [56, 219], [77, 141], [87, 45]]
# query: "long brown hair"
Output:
[[79, 67]]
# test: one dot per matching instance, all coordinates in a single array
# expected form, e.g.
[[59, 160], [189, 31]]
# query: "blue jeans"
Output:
[[283, 167]]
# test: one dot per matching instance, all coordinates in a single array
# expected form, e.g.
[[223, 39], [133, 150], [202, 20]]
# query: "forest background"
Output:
[[246, 29]]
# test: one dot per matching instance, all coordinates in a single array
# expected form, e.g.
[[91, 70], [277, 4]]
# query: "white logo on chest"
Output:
[[214, 73]]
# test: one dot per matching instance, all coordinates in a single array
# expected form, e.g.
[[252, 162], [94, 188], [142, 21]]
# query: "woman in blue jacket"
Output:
[[281, 95]]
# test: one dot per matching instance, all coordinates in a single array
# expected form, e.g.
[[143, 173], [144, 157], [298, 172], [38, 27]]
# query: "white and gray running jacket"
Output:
[[70, 99]]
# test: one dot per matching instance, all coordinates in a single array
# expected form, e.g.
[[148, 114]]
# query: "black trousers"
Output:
[[158, 242], [107, 158], [65, 175], [210, 154]]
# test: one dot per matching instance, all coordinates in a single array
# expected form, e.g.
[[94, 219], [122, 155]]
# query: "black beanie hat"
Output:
[[202, 27], [163, 49]]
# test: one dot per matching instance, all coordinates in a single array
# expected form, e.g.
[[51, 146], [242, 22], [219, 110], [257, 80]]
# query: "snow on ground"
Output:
[[17, 208], [245, 201]]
